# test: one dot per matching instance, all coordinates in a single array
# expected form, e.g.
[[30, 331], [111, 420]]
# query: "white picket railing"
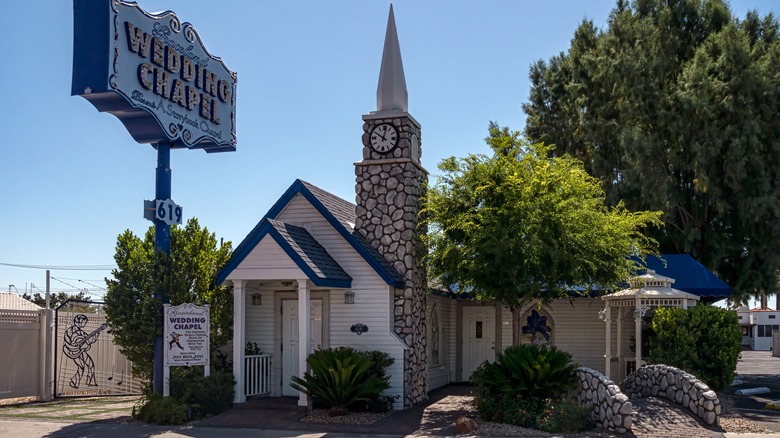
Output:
[[257, 380]]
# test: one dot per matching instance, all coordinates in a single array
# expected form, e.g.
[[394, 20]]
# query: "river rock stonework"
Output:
[[389, 188], [678, 387], [610, 407]]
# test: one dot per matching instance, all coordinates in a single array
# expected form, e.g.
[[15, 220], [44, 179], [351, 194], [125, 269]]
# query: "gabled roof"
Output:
[[339, 213], [10, 301]]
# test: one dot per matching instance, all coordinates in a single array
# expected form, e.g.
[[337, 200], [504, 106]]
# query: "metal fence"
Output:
[[87, 361]]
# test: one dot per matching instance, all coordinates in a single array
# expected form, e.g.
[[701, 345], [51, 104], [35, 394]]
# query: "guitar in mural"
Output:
[[76, 346]]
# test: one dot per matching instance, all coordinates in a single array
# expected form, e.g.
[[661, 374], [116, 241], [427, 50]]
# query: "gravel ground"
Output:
[[321, 416], [731, 421]]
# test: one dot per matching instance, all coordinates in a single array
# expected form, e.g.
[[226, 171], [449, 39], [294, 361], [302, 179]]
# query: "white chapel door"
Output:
[[479, 340], [290, 339]]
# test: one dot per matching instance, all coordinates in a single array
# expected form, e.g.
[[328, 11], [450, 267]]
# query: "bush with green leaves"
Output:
[[205, 396], [538, 371], [341, 377], [520, 384], [704, 341], [192, 396], [564, 416], [155, 408]]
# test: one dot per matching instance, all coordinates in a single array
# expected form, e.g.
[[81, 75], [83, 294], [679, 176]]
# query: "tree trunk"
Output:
[[764, 301], [517, 326]]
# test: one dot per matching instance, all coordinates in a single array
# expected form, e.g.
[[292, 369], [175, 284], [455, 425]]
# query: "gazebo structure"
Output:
[[647, 291]]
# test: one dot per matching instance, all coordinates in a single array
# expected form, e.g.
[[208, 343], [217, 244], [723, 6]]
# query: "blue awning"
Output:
[[690, 276]]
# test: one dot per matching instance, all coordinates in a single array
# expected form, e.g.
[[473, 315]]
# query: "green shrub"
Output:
[[529, 371], [162, 410], [339, 378], [204, 395], [564, 416], [379, 403], [704, 341], [510, 409], [516, 388]]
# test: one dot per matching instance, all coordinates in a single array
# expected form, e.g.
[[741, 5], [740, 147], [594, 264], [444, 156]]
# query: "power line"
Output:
[[63, 268]]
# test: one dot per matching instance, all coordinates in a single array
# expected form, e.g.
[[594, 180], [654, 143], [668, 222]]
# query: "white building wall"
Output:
[[443, 372], [765, 322], [372, 305], [577, 330]]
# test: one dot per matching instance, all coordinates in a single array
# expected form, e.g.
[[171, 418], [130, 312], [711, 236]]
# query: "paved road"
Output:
[[757, 369]]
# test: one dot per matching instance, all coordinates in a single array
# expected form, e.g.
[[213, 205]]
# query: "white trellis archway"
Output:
[[647, 291]]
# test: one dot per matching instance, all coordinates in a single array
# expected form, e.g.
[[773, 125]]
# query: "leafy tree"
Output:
[[704, 340], [188, 275], [519, 226], [674, 108], [55, 298]]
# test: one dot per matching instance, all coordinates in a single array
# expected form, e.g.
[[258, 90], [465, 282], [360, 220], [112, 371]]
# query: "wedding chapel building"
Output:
[[318, 271]]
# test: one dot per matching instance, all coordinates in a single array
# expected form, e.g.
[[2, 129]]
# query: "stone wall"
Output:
[[611, 408], [389, 191], [677, 386]]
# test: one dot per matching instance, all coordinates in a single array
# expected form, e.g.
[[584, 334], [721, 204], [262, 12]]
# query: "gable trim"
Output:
[[265, 228], [254, 237]]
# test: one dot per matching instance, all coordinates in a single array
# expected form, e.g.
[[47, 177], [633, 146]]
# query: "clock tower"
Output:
[[390, 184]]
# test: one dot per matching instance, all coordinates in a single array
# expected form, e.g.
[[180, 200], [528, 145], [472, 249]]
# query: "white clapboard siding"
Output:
[[442, 373], [266, 261], [372, 305], [260, 323], [578, 330]]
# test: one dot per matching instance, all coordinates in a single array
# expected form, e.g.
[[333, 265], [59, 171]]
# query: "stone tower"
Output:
[[390, 182]]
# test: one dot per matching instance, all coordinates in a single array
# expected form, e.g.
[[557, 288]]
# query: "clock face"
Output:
[[384, 138]]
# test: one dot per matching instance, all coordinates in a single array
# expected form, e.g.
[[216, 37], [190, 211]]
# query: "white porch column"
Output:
[[638, 335], [608, 339], [239, 339], [304, 332]]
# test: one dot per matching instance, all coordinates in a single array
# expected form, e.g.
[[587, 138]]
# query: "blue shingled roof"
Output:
[[309, 252], [338, 212]]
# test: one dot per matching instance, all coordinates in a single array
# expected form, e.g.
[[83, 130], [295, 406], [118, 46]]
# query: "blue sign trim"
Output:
[[94, 73]]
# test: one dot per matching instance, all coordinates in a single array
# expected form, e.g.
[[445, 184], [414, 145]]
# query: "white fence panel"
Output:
[[258, 374], [21, 362]]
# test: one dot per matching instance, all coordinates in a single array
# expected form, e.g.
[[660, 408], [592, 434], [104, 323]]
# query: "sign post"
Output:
[[153, 73], [186, 331]]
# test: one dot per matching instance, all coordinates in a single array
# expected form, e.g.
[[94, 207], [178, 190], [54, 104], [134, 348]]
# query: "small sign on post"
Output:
[[186, 339]]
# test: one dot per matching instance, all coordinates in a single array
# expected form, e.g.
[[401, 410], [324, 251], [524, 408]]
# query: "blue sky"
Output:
[[72, 179]]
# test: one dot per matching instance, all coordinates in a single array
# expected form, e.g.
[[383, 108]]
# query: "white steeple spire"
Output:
[[391, 92]]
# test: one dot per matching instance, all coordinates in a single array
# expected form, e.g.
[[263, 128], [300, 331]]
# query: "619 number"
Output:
[[167, 211]]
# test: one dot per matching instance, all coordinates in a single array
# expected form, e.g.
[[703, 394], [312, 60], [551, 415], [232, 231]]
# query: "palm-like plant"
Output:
[[340, 377], [532, 371]]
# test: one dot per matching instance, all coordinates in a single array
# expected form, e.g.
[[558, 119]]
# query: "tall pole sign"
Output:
[[153, 73]]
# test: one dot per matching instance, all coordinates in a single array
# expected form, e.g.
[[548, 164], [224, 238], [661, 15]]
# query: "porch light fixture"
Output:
[[257, 299], [349, 297]]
